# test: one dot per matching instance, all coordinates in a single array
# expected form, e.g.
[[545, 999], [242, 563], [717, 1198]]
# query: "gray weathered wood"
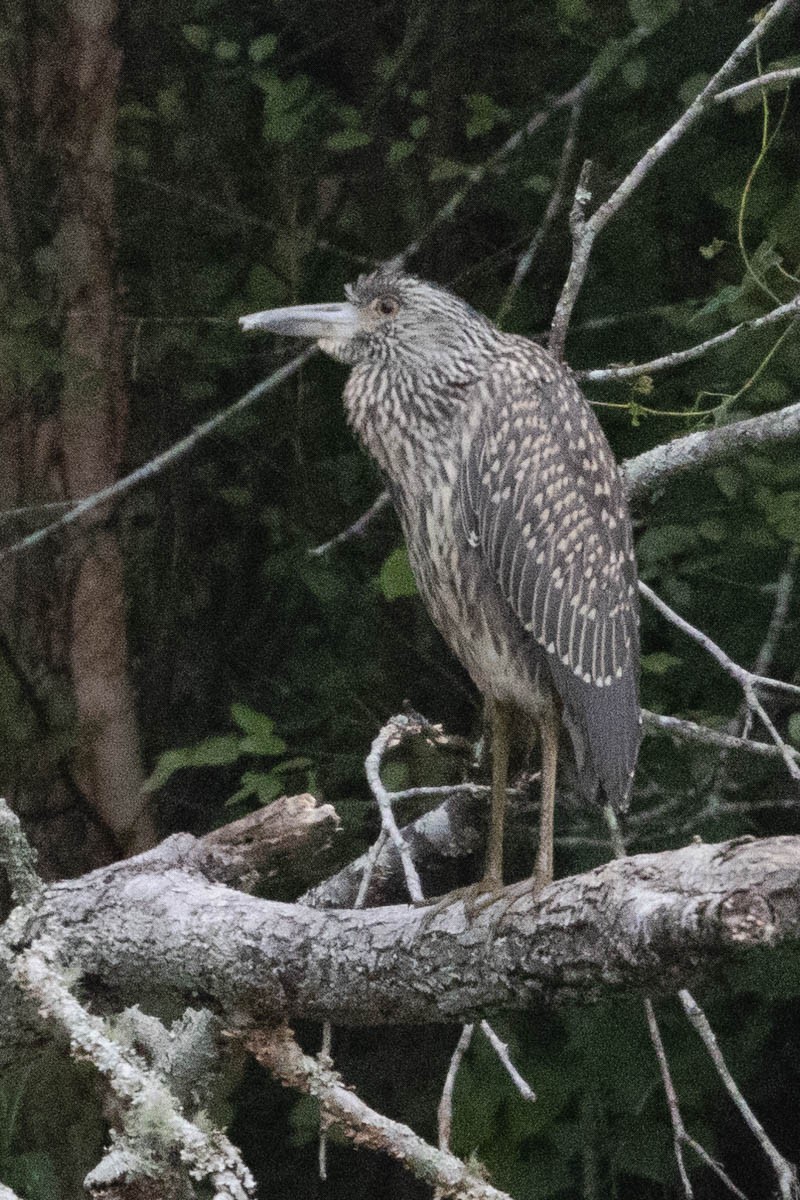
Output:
[[155, 927]]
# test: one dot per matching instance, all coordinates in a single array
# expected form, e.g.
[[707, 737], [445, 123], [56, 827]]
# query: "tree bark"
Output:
[[76, 773], [648, 924]]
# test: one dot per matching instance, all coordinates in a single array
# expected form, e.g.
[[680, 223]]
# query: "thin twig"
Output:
[[678, 1129], [604, 213], [526, 259], [161, 461], [746, 679], [27, 510], [678, 357], [780, 611], [325, 1059], [445, 1110], [357, 529], [768, 80], [784, 1170], [501, 1050], [690, 731], [393, 732], [582, 239], [680, 1136]]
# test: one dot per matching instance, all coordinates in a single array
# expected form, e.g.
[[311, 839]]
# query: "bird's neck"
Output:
[[409, 421]]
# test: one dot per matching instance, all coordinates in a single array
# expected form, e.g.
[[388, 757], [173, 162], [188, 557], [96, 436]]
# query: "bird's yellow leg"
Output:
[[477, 895], [548, 731], [501, 739]]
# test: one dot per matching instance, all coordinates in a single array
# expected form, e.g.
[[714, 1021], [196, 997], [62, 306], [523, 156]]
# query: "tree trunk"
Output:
[[72, 721]]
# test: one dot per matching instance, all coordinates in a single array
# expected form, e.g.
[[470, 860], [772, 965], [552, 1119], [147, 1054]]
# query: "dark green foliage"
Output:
[[267, 154]]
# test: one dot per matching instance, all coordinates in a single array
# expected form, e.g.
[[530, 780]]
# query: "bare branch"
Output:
[[445, 1110], [680, 1136], [678, 357], [708, 448], [207, 1156], [393, 732], [780, 611], [678, 915], [278, 1051], [161, 461], [18, 858], [357, 529], [692, 732], [525, 261], [770, 79], [582, 240], [292, 832], [602, 215], [784, 1170], [501, 1050], [746, 679]]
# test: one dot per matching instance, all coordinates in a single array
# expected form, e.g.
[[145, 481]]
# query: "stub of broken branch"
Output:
[[288, 835]]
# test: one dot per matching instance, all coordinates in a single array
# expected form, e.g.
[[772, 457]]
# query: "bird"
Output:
[[515, 519]]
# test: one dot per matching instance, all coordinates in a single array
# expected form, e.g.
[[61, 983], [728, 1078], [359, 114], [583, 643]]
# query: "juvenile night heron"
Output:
[[515, 518]]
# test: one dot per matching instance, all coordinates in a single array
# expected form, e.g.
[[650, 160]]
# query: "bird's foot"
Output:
[[540, 879], [475, 897]]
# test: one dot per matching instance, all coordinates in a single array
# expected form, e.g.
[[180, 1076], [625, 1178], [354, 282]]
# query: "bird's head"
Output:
[[390, 317]]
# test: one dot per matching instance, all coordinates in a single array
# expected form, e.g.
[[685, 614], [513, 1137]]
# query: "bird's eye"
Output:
[[386, 306]]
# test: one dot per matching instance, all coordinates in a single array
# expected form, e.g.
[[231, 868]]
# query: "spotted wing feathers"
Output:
[[542, 501]]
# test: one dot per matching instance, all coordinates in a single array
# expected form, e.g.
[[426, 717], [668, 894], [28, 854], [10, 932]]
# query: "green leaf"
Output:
[[264, 786], [541, 184], [348, 139], [691, 88], [712, 530], [396, 578], [398, 151], [713, 248], [227, 51], [259, 728], [793, 729], [729, 481], [212, 752], [169, 102], [659, 663], [484, 114], [419, 127], [197, 36], [446, 169], [262, 47], [666, 541], [634, 72], [724, 297], [782, 512], [652, 14]]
